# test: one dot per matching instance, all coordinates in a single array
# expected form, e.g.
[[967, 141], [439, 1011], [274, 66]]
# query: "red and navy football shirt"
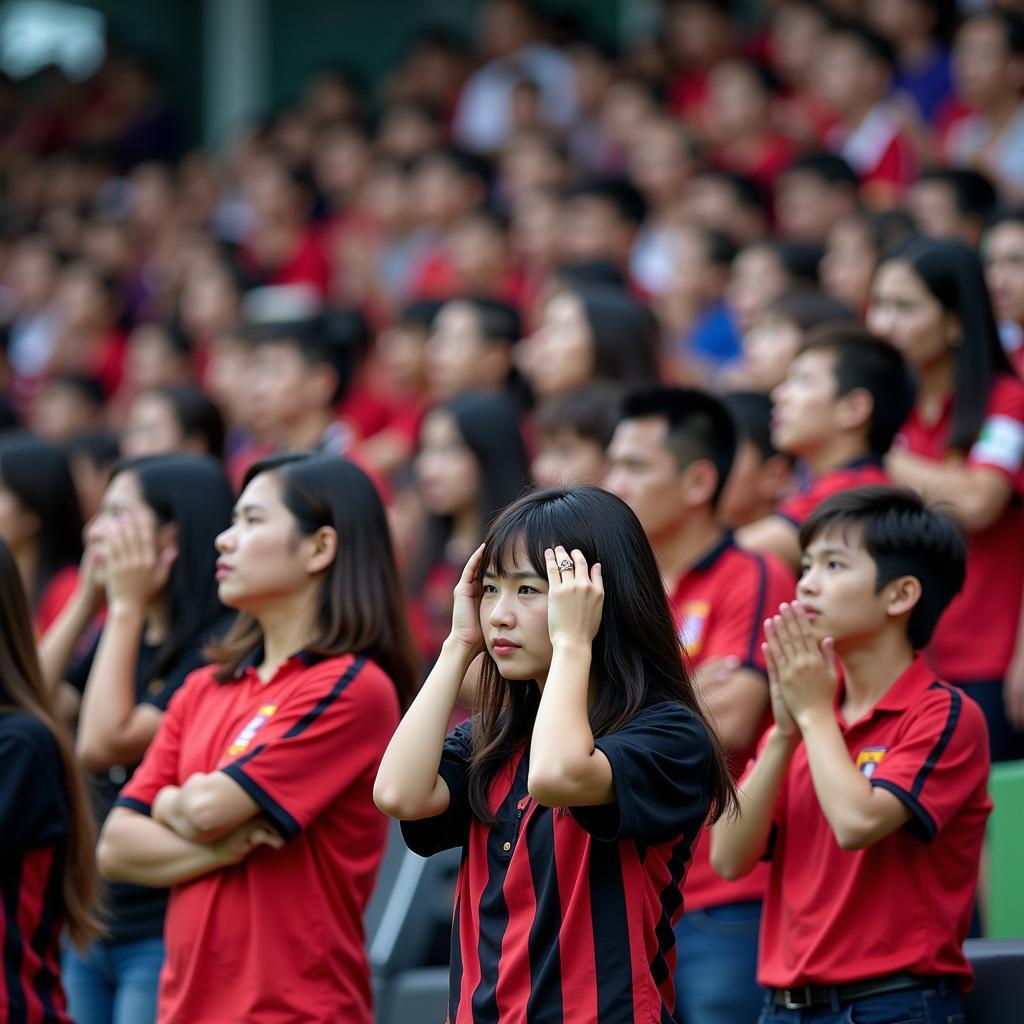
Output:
[[34, 818], [566, 915]]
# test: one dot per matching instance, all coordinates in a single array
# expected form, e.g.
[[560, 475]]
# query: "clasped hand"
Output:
[[802, 674]]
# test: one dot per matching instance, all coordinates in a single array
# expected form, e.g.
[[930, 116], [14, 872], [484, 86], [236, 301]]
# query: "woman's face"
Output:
[[848, 264], [122, 498], [263, 557], [560, 356], [447, 472], [152, 427], [514, 620], [18, 524], [768, 349], [905, 312]]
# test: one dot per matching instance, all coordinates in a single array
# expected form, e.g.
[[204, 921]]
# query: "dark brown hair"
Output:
[[637, 658], [361, 606], [22, 690]]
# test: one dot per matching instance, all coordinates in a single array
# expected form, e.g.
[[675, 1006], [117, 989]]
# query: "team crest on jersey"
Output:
[[869, 759], [692, 624], [241, 742]]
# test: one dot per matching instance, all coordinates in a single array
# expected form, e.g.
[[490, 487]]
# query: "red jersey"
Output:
[[975, 637], [57, 594], [567, 915], [719, 607], [277, 938], [862, 473], [833, 916]]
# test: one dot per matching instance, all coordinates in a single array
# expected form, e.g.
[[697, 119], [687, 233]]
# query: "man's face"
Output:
[[644, 474], [1004, 270], [278, 376]]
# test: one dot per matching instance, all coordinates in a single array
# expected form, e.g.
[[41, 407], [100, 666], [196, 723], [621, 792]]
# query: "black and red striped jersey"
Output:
[[564, 916], [34, 817]]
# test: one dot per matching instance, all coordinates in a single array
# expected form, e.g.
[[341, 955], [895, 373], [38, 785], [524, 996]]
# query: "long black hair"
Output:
[[953, 273], [191, 491], [490, 430], [38, 473], [361, 606], [637, 658], [624, 333]]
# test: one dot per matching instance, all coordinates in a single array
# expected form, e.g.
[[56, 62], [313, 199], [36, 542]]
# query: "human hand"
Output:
[[805, 670], [466, 629], [236, 845], [575, 596], [136, 569]]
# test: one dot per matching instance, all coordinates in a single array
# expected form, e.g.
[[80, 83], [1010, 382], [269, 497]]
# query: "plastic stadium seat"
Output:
[[1005, 918], [418, 997], [998, 993]]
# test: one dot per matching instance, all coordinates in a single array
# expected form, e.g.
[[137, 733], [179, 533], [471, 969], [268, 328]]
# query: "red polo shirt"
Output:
[[567, 915], [277, 938], [975, 637], [903, 904], [719, 607], [862, 473]]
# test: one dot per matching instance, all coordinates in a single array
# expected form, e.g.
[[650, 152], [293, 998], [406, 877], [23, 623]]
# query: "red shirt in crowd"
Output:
[[833, 916], [277, 938], [975, 637], [567, 914], [862, 473], [719, 607]]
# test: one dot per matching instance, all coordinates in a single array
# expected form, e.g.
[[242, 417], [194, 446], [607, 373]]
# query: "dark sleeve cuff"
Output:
[[444, 831], [605, 821], [921, 824], [786, 519], [279, 817], [131, 804], [769, 847]]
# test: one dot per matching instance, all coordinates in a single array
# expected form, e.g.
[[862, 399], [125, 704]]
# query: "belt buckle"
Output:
[[791, 1003]]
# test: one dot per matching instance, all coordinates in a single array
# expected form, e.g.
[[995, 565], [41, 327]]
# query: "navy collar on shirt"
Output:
[[708, 560], [251, 660]]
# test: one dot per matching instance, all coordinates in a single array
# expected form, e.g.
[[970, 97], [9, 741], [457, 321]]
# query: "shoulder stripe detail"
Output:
[[279, 817], [952, 717], [921, 824], [328, 699], [133, 805]]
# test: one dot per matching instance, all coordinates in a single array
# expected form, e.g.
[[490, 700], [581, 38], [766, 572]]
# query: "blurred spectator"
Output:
[[470, 347], [91, 457], [760, 476], [600, 220], [40, 522], [511, 37], [590, 332], [730, 203], [1004, 271], [814, 193], [989, 65], [471, 463], [573, 434], [854, 73], [952, 202], [68, 404], [173, 419], [158, 355], [762, 271], [777, 335], [698, 34]]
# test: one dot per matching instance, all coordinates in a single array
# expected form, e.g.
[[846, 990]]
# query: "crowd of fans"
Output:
[[528, 259]]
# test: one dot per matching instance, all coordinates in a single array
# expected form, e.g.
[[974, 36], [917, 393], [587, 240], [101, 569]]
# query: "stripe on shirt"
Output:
[[610, 923], [952, 717], [759, 613], [328, 699], [44, 941], [10, 885], [546, 998]]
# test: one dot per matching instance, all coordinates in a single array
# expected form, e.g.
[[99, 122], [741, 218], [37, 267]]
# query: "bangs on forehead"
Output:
[[527, 526], [847, 529]]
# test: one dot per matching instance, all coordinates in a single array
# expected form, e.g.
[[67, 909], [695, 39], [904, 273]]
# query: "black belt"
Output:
[[803, 997]]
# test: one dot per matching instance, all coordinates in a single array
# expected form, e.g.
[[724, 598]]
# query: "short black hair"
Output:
[[751, 411], [808, 308], [1011, 216], [591, 412], [874, 46], [699, 427], [337, 338], [86, 387], [904, 537], [974, 195], [421, 314], [497, 321], [619, 193], [827, 167], [863, 360], [720, 248]]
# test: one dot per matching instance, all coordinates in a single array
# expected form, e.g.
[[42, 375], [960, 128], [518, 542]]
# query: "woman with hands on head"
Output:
[[577, 790], [151, 552], [254, 802]]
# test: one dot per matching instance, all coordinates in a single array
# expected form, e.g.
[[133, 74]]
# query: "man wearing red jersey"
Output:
[[670, 458], [843, 400], [869, 797]]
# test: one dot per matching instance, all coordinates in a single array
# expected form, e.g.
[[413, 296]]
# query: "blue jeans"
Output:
[[717, 965], [918, 1006], [113, 984]]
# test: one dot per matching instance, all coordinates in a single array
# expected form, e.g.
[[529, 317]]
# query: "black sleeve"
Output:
[[451, 828], [660, 765], [33, 799], [159, 691]]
